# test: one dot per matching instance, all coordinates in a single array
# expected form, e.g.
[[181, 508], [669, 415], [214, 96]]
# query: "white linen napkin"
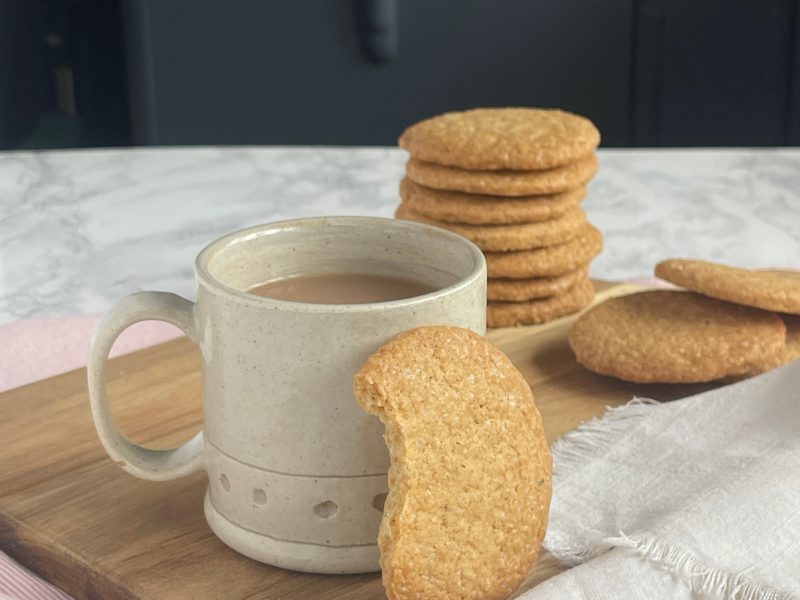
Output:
[[697, 498]]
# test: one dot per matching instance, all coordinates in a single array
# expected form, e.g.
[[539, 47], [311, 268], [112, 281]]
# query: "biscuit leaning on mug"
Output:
[[470, 475]]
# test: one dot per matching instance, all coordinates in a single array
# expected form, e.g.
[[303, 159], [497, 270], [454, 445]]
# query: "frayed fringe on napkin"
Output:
[[576, 449], [699, 577], [595, 437]]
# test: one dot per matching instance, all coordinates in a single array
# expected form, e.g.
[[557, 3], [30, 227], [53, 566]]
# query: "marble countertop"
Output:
[[79, 229]]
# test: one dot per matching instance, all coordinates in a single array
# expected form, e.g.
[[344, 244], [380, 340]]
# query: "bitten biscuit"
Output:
[[470, 474], [458, 207], [767, 289], [549, 261], [509, 237], [676, 337], [502, 138], [528, 312], [503, 183], [516, 290]]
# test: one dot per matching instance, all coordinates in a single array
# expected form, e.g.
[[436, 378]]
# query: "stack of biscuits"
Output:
[[512, 181]]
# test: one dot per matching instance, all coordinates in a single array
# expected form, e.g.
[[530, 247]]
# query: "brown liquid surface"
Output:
[[341, 288]]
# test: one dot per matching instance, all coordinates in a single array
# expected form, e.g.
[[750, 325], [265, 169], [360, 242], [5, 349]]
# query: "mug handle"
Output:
[[155, 465]]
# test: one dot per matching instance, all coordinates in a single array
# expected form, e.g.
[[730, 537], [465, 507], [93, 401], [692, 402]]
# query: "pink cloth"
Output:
[[36, 349], [17, 583], [654, 282]]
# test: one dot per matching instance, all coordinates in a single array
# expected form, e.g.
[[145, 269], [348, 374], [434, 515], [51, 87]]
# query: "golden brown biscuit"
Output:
[[502, 138], [458, 207], [516, 290], [675, 337], [767, 289], [521, 236], [503, 183], [470, 474], [506, 314], [549, 261]]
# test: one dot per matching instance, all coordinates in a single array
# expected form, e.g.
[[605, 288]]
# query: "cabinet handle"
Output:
[[378, 29]]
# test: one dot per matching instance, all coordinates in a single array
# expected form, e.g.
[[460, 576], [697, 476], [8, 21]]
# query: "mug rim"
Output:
[[215, 286]]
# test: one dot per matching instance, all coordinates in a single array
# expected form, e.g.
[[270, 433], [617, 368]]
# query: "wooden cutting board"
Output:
[[69, 514]]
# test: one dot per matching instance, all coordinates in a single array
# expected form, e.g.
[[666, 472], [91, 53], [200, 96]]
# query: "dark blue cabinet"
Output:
[[356, 72]]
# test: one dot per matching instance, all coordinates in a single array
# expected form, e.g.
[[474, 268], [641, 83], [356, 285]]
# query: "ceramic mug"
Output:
[[296, 470]]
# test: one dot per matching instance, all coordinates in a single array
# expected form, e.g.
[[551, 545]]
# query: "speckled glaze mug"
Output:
[[296, 470]]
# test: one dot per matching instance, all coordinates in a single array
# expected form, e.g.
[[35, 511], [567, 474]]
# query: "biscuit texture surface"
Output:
[[767, 289], [520, 236], [503, 183], [791, 348], [470, 474], [528, 312], [676, 337], [459, 207], [502, 138], [548, 261], [516, 290]]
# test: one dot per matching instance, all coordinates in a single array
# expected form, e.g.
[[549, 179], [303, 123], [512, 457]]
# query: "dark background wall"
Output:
[[648, 72]]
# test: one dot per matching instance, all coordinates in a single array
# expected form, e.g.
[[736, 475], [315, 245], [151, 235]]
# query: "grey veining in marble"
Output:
[[79, 229]]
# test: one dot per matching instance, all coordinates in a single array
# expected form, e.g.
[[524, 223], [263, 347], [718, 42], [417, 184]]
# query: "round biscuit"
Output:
[[768, 288], [548, 261], [502, 138], [520, 236], [506, 314], [503, 183], [516, 290], [675, 337], [460, 207]]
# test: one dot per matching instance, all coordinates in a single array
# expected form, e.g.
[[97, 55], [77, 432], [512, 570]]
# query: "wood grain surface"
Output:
[[68, 513]]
